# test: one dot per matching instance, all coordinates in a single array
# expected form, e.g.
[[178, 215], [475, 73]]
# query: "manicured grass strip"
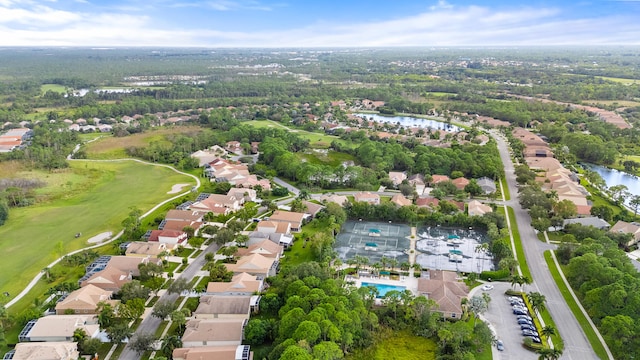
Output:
[[582, 319], [556, 338], [505, 188], [518, 244]]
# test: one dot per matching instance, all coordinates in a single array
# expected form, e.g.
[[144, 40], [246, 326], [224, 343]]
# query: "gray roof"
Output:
[[218, 304], [588, 221]]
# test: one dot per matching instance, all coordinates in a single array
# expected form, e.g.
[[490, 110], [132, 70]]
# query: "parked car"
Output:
[[520, 312], [529, 333], [514, 307], [535, 339], [526, 317], [487, 287], [524, 322], [500, 345], [527, 327], [514, 298], [516, 302]]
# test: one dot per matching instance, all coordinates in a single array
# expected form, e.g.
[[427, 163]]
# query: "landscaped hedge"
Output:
[[495, 275]]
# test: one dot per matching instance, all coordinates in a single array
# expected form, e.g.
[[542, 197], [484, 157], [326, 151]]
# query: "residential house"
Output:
[[241, 284], [118, 271], [400, 200], [460, 182], [255, 147], [596, 222], [213, 332], [147, 248], [208, 155], [233, 146], [270, 227], [232, 352], [435, 179], [84, 300], [368, 197], [338, 199], [487, 185], [185, 215], [223, 307], [312, 208], [427, 201], [293, 218], [285, 240], [255, 264], [169, 236], [54, 328], [623, 227], [46, 351], [214, 201], [265, 248], [444, 288], [416, 179], [476, 208], [245, 194], [397, 177]]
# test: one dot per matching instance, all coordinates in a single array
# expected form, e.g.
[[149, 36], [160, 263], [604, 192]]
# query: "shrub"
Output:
[[495, 275]]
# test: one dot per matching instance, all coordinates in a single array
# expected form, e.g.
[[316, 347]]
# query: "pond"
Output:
[[614, 177], [410, 121]]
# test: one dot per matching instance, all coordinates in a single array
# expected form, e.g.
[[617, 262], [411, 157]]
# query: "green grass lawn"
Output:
[[317, 140], [584, 323], [398, 346], [36, 235], [53, 87], [332, 158], [505, 188], [619, 80], [518, 243]]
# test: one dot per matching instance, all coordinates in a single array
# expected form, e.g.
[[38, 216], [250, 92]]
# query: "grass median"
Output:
[[575, 309], [522, 260]]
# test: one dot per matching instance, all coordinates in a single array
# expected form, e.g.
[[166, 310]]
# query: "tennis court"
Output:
[[453, 249], [373, 240]]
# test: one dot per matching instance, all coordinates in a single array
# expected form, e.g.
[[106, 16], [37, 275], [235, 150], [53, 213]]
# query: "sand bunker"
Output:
[[177, 188], [100, 237]]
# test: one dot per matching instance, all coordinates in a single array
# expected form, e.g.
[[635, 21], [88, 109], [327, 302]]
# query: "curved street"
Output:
[[576, 345]]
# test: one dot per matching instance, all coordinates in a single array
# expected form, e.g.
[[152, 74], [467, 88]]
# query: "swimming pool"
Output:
[[383, 289]]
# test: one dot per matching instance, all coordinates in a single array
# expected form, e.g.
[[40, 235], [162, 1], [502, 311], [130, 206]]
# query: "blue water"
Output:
[[614, 177], [383, 289], [410, 121]]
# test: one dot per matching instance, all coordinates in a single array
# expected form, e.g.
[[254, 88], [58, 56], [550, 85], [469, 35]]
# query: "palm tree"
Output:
[[635, 203], [549, 354], [384, 261], [393, 263], [537, 301], [548, 330]]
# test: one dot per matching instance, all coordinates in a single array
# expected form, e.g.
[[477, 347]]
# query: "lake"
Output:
[[410, 121], [614, 177]]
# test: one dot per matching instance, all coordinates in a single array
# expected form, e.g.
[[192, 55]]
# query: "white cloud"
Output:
[[442, 4], [445, 26]]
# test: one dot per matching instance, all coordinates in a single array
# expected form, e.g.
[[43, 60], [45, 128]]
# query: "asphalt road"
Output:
[[151, 323], [576, 345]]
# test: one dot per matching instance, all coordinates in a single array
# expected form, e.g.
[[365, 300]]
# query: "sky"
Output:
[[318, 23]]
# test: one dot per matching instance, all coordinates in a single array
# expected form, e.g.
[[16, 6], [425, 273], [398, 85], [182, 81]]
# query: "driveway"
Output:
[[504, 324]]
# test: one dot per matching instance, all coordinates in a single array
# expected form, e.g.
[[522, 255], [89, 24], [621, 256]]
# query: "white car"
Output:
[[487, 287]]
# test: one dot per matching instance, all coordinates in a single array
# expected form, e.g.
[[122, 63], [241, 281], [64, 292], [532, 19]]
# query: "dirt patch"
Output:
[[100, 237], [177, 188]]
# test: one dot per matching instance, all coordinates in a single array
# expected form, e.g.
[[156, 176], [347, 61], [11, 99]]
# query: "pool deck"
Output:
[[409, 282]]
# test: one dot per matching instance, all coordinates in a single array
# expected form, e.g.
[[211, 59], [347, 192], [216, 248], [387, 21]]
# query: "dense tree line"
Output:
[[606, 283]]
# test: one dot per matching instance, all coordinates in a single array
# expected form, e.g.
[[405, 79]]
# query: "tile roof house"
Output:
[[232, 352], [293, 218], [476, 208], [46, 351], [338, 199], [213, 332], [208, 155], [623, 227], [118, 271], [168, 236], [285, 240], [271, 227], [255, 264], [487, 185], [84, 300], [218, 201], [435, 179], [312, 208], [55, 328], [240, 284], [147, 248], [460, 183], [400, 200], [416, 179], [596, 222], [265, 248], [180, 224], [245, 194], [427, 201], [368, 197], [397, 177], [185, 215], [223, 307], [444, 288]]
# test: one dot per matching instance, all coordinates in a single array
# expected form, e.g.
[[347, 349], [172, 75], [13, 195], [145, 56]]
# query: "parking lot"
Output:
[[504, 324]]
